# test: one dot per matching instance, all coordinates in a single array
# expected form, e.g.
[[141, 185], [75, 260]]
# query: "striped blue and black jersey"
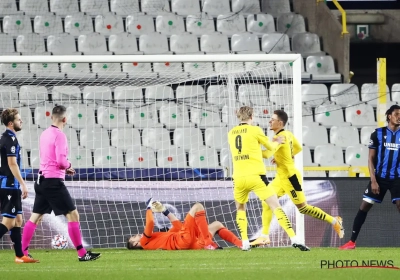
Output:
[[9, 147], [387, 145]]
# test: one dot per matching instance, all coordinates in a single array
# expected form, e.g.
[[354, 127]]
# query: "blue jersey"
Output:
[[9, 148], [387, 144]]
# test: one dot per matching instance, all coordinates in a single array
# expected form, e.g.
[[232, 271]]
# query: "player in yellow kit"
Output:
[[249, 174], [288, 179]]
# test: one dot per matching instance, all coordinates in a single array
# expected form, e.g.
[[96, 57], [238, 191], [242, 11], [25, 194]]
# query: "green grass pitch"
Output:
[[260, 263]]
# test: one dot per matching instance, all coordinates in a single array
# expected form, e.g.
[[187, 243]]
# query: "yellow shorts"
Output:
[[290, 186], [256, 183]]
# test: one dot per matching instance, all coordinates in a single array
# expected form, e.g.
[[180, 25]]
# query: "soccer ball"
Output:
[[59, 242]]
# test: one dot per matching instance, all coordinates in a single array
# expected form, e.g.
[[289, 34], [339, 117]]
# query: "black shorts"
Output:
[[52, 195], [11, 202], [384, 185]]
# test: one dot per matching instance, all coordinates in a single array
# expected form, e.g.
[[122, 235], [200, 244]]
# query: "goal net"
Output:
[[149, 126]]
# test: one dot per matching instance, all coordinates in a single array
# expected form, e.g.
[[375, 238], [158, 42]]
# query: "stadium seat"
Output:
[[77, 71], [93, 44], [314, 94], [17, 25], [396, 93], [80, 116], [190, 94], [275, 43], [35, 158], [330, 115], [7, 45], [109, 23], [139, 24], [125, 7], [27, 117], [260, 24], [246, 6], [8, 97], [214, 43], [185, 43], [14, 70], [62, 44], [46, 70], [369, 94], [205, 115], [280, 92], [78, 24], [111, 117], [80, 158], [262, 69], [174, 115], [128, 95], [31, 44], [230, 24], [164, 69], [28, 138], [291, 24], [262, 114], [229, 114], [307, 157], [245, 43], [33, 95], [140, 158], [308, 115], [66, 94], [188, 138], [322, 69], [109, 157], [169, 24], [216, 8], [144, 116], [72, 137], [275, 7], [185, 7], [64, 7], [135, 70], [344, 136], [314, 135], [253, 94], [8, 7], [125, 138], [345, 94], [360, 115], [159, 95], [224, 68], [216, 138], [154, 8], [173, 157], [218, 95], [108, 70], [154, 43], [98, 94], [357, 155], [94, 8], [307, 44], [123, 43], [203, 158], [24, 160], [47, 24], [33, 7], [199, 24], [94, 138], [366, 132], [156, 138], [198, 69], [285, 68], [328, 155]]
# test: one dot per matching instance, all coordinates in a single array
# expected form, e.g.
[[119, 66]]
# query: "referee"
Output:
[[384, 168], [51, 193]]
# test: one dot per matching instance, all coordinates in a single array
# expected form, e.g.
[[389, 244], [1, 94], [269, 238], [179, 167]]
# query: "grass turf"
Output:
[[260, 263]]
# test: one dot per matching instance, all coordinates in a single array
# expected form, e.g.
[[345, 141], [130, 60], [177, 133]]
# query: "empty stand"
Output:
[[329, 115], [214, 43], [360, 115], [123, 43], [205, 115], [230, 24], [94, 8], [275, 43], [314, 135], [64, 7], [216, 8], [80, 116], [125, 138], [307, 44], [80, 157], [260, 24], [203, 158], [125, 7], [109, 157], [33, 7], [345, 94], [78, 24], [185, 43], [61, 44], [31, 44], [139, 24], [328, 155], [200, 24], [216, 138], [92, 44], [357, 155], [154, 43], [174, 157], [141, 158], [174, 115], [246, 6], [275, 7], [370, 93], [154, 8], [94, 138], [366, 132], [169, 24], [314, 94], [188, 138], [156, 138], [109, 23], [47, 24], [143, 116], [291, 24], [344, 136], [245, 43], [185, 7], [322, 69], [111, 117]]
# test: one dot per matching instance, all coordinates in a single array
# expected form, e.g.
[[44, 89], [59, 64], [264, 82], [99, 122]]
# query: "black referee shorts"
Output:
[[52, 195], [384, 185]]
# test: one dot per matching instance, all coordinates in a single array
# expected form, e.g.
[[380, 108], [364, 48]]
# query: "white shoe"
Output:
[[245, 245]]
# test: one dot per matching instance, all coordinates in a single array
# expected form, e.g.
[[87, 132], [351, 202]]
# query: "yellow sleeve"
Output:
[[296, 146], [267, 153], [264, 140]]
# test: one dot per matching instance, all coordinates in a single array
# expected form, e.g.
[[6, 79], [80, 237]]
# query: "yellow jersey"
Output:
[[244, 141], [283, 156]]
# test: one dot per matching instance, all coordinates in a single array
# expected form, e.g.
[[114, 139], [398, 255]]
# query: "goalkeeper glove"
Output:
[[149, 203], [158, 207]]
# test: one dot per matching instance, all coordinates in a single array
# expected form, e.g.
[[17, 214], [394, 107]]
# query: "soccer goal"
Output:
[[143, 126]]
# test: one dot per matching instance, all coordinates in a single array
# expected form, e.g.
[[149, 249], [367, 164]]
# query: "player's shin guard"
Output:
[[358, 222], [201, 222], [241, 221], [266, 218], [3, 230], [317, 213], [76, 237], [29, 230], [284, 221], [230, 237], [16, 239]]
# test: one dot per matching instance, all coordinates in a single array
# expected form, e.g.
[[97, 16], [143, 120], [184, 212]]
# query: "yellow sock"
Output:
[[284, 221], [316, 213], [266, 218], [241, 221]]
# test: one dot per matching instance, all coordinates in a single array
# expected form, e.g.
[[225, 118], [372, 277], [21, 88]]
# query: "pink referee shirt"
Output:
[[53, 148]]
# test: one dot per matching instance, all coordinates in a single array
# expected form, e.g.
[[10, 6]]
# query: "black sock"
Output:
[[3, 230], [358, 222], [17, 239]]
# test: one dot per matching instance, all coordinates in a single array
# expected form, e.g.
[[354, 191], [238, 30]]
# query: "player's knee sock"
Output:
[[76, 237], [284, 221], [29, 230], [201, 222], [266, 218], [241, 221], [3, 230], [16, 239], [229, 236], [357, 224], [317, 213]]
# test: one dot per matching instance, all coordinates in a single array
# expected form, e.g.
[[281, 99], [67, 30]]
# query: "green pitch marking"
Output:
[[201, 158], [112, 116], [142, 115], [327, 114], [358, 155], [319, 65], [260, 24]]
